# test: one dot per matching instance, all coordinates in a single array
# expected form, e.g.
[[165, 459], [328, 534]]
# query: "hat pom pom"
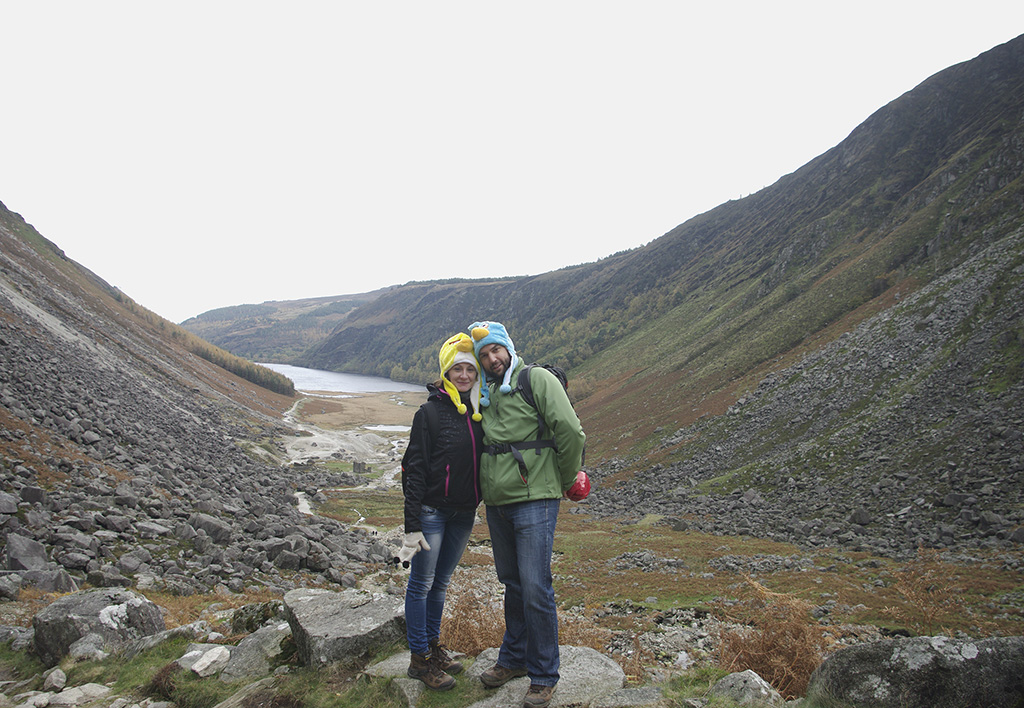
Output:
[[461, 408], [477, 417], [505, 388]]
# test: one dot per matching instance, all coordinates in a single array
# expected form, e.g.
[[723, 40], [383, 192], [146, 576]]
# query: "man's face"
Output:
[[495, 359]]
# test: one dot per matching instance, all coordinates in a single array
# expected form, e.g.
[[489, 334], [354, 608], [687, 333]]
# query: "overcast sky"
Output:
[[204, 154]]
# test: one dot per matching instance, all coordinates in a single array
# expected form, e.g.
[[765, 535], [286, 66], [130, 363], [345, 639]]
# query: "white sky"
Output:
[[204, 154]]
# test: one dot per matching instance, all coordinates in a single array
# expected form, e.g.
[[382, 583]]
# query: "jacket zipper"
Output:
[[476, 463]]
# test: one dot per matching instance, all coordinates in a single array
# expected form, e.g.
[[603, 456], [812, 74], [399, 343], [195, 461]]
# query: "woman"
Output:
[[440, 480]]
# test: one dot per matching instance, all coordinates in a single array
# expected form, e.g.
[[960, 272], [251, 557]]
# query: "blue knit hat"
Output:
[[485, 333]]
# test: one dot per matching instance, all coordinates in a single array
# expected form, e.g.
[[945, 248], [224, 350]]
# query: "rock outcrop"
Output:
[[111, 617], [925, 672]]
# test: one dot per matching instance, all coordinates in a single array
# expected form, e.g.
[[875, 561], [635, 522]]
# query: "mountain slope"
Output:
[[123, 453], [275, 331], [660, 334]]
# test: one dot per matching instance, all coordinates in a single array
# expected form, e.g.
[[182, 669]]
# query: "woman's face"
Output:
[[463, 375]]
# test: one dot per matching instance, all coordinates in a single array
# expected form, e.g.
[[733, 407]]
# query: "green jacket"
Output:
[[510, 419]]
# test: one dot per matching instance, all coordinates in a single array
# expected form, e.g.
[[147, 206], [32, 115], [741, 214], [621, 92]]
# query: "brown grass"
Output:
[[780, 640], [474, 623], [930, 593]]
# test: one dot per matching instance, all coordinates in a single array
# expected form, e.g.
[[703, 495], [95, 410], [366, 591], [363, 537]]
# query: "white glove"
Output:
[[411, 545]]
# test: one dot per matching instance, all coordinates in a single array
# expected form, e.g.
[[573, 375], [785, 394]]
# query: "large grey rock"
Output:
[[586, 675], [8, 503], [54, 580], [10, 586], [253, 657], [747, 688], [118, 616], [216, 529], [79, 695], [925, 672], [25, 554], [340, 626]]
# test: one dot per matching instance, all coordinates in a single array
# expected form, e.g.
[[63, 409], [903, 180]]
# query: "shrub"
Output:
[[780, 640]]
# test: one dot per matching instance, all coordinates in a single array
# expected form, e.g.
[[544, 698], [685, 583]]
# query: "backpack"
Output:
[[525, 389]]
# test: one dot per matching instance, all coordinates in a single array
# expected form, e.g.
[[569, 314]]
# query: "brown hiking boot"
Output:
[[424, 668], [499, 675], [444, 660], [538, 696]]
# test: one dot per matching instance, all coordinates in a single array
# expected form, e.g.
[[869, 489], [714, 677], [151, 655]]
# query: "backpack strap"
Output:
[[525, 389]]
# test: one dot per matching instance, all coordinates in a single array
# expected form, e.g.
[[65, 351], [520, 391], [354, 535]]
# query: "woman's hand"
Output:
[[412, 544]]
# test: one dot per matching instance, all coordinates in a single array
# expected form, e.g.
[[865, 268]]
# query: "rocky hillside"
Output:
[[126, 459], [660, 335], [907, 431]]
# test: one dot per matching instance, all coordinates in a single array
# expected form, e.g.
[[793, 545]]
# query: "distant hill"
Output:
[[276, 331]]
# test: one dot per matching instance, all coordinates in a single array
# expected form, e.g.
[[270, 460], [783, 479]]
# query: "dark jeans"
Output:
[[522, 537]]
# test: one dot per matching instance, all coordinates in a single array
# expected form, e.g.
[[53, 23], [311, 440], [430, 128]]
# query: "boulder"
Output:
[[586, 675], [747, 688], [253, 657], [216, 529], [8, 503], [25, 554], [925, 672], [333, 627], [118, 616]]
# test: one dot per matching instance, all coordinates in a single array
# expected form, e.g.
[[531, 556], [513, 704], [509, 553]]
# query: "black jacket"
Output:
[[442, 472]]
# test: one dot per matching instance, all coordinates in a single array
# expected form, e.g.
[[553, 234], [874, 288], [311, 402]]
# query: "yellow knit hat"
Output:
[[459, 348]]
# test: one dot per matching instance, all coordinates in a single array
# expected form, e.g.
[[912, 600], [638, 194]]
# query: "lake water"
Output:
[[317, 380]]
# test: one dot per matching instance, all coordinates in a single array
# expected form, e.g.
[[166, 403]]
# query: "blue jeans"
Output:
[[447, 533], [522, 537]]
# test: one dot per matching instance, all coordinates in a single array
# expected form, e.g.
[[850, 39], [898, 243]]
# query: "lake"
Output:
[[317, 380]]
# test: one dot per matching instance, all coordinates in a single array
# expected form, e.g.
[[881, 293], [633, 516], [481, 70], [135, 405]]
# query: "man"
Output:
[[523, 479]]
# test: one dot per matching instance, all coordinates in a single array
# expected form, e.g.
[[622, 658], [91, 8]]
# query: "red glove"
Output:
[[579, 490]]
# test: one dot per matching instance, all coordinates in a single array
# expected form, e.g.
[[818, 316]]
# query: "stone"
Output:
[[115, 615], [586, 675], [254, 656], [341, 626], [747, 688], [925, 672], [211, 661], [25, 554], [55, 680]]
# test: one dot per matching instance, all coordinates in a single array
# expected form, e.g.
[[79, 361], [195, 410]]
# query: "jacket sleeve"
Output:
[[415, 466], [554, 406]]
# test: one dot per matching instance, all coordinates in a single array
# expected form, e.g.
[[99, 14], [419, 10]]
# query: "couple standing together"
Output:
[[474, 440]]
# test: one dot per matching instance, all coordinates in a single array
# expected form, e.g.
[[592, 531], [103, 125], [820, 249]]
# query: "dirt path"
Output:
[[372, 428]]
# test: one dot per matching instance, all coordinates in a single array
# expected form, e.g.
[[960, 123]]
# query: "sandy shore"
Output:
[[372, 428]]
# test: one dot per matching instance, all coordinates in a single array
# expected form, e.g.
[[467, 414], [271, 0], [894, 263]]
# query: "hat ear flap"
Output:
[[453, 393]]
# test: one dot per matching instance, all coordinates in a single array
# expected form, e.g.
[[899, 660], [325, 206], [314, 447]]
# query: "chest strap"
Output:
[[516, 450]]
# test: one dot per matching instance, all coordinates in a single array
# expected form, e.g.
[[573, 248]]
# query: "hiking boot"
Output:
[[538, 696], [443, 659], [499, 675], [424, 668]]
